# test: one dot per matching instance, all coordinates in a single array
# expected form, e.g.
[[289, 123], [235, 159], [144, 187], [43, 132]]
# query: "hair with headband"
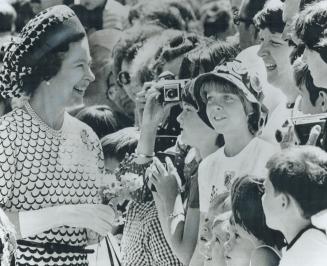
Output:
[[46, 34]]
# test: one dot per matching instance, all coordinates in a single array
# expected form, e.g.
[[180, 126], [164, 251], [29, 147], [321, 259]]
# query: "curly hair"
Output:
[[129, 44], [171, 14], [310, 27], [248, 212], [301, 172], [270, 17]]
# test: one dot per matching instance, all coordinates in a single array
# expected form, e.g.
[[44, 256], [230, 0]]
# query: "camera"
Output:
[[304, 124], [170, 90]]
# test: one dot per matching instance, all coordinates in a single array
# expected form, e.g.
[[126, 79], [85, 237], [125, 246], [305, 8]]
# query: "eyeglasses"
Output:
[[124, 78], [237, 19]]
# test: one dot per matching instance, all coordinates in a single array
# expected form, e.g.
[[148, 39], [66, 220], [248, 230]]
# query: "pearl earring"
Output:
[[48, 83]]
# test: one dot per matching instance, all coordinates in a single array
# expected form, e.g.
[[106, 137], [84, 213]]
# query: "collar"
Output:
[[299, 234]]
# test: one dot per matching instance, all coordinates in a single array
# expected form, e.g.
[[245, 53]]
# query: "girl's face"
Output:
[[191, 125], [239, 247], [317, 66], [75, 74], [215, 246], [226, 112], [275, 53]]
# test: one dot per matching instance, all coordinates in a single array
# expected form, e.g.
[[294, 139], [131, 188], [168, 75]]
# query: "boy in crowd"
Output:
[[295, 190]]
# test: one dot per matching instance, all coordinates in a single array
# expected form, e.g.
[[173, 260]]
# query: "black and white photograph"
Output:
[[163, 132]]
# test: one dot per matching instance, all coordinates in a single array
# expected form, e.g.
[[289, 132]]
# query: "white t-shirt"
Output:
[[217, 172], [309, 250]]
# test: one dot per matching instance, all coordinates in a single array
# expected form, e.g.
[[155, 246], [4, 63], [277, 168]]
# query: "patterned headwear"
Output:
[[237, 74], [45, 32]]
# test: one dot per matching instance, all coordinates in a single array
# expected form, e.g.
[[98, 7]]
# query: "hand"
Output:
[[115, 15], [154, 111], [167, 182], [290, 139], [97, 217]]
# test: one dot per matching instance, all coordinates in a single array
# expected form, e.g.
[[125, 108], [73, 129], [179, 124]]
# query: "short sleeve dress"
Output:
[[41, 167]]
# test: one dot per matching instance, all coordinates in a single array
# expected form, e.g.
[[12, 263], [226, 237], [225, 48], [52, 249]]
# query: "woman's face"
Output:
[[226, 112], [317, 66], [191, 124], [74, 75], [275, 53], [239, 247]]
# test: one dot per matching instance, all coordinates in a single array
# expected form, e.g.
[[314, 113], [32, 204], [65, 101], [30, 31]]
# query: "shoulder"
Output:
[[314, 237], [12, 124], [211, 159], [264, 256]]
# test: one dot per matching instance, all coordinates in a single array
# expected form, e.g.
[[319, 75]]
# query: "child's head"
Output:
[[116, 145], [233, 98], [248, 227], [296, 186], [100, 118]]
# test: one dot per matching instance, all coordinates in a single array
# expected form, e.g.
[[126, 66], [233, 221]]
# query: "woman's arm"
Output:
[[97, 217]]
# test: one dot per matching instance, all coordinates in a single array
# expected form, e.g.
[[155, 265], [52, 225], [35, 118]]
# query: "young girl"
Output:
[[250, 242], [233, 105]]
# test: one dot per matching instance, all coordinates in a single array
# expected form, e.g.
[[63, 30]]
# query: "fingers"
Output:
[[173, 171], [160, 167], [314, 135]]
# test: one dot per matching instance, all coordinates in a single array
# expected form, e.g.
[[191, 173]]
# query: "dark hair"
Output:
[[248, 212], [301, 172], [120, 143], [271, 17], [48, 65], [7, 17], [219, 22], [170, 14], [128, 45], [310, 27], [251, 110], [100, 118], [251, 8], [304, 3], [303, 76], [180, 44]]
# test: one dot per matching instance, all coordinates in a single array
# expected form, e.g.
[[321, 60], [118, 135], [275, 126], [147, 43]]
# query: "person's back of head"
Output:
[[100, 118], [8, 17], [301, 173], [117, 145]]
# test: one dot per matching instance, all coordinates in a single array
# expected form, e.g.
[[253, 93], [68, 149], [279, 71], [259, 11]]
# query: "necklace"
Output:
[[35, 116]]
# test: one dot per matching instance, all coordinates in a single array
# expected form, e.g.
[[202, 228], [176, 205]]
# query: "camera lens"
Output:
[[172, 94]]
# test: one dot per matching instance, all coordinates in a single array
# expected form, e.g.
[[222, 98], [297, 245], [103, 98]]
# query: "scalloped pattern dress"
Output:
[[41, 167]]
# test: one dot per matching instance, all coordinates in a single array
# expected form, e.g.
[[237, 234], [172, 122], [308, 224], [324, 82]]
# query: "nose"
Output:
[[89, 74], [180, 118], [227, 246], [305, 56], [262, 52]]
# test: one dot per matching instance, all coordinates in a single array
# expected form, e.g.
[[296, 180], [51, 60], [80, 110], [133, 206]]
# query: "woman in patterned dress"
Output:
[[49, 161]]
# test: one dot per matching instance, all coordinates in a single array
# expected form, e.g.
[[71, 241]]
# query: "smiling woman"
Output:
[[50, 161]]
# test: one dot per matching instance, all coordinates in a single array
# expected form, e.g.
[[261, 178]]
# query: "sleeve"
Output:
[[7, 161], [158, 246]]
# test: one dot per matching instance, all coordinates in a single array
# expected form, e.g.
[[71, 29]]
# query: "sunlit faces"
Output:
[[306, 106], [272, 205], [317, 66], [225, 111], [74, 75], [275, 53], [239, 247]]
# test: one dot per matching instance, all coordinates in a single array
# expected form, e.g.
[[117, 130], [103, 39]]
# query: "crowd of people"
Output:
[[163, 132]]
